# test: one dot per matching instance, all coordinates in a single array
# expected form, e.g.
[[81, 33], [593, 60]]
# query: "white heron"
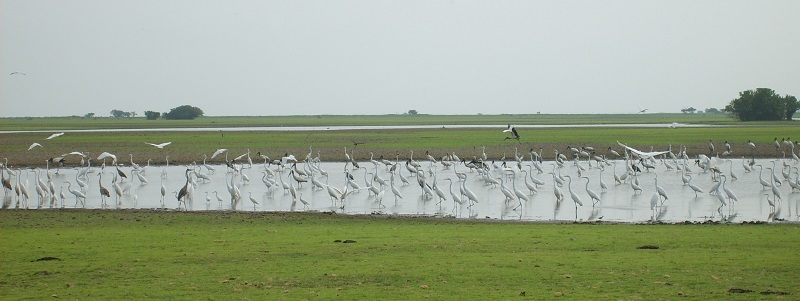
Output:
[[34, 145], [77, 193], [694, 187], [55, 135], [575, 197], [252, 200], [160, 145], [593, 195]]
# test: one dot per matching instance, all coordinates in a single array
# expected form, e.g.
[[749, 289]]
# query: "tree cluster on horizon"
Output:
[[762, 104]]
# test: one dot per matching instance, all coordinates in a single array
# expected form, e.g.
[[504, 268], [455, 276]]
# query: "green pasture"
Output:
[[136, 255], [188, 146], [77, 123]]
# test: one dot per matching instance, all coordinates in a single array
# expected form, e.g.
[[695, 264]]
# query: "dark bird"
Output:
[[121, 174], [513, 131]]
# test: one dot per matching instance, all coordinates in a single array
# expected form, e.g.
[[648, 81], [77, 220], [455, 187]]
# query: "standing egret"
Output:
[[219, 198], [395, 191], [694, 187], [593, 195], [456, 198], [764, 183], [77, 193], [654, 207], [771, 206], [531, 186], [557, 191], [520, 196], [635, 186], [775, 191], [575, 198], [252, 200], [732, 199], [660, 190]]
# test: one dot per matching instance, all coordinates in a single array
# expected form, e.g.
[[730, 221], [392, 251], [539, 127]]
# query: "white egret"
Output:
[[575, 198], [77, 193], [55, 135], [160, 145], [252, 200], [593, 195]]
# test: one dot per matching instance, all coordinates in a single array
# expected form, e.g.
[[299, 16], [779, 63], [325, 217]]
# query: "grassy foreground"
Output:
[[292, 256]]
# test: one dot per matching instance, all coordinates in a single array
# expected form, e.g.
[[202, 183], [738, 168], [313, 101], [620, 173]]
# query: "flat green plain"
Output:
[[104, 255], [139, 254], [190, 146]]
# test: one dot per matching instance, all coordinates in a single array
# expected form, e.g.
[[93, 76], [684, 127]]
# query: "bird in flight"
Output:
[[162, 145], [54, 135], [641, 154], [514, 135], [641, 111], [34, 145], [17, 73], [218, 152]]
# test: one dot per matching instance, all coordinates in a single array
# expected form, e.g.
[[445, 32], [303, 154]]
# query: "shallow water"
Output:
[[618, 203]]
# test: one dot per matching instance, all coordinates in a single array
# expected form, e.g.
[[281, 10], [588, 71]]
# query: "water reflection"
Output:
[[275, 189]]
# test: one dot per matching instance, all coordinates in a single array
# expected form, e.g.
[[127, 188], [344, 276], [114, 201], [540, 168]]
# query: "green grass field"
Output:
[[76, 123], [128, 254], [293, 256], [190, 146]]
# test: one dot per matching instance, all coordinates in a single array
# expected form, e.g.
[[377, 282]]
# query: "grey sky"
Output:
[[382, 57]]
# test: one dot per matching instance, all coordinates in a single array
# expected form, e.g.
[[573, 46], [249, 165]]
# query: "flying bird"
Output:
[[218, 152], [34, 145], [108, 155], [54, 135], [643, 155], [162, 145], [514, 135], [17, 73]]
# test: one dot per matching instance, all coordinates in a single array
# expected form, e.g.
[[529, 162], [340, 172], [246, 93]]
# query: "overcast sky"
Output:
[[382, 57]]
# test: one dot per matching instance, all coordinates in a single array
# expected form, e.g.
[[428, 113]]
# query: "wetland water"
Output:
[[619, 203]]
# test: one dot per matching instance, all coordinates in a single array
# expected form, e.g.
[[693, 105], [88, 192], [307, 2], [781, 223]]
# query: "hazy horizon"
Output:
[[449, 57]]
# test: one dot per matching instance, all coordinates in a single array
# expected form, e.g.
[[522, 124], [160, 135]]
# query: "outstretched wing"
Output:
[[54, 135], [642, 154], [219, 151]]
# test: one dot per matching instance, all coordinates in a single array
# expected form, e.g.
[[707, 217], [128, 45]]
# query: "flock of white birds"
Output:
[[516, 181]]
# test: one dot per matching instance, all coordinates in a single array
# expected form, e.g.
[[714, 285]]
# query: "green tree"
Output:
[[791, 106], [689, 110], [152, 115], [762, 104], [119, 113], [184, 112]]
